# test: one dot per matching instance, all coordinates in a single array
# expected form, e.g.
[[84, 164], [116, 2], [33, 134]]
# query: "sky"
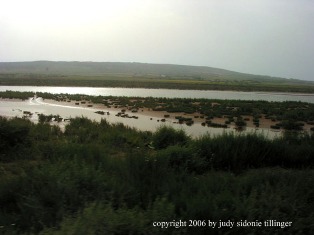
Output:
[[265, 37]]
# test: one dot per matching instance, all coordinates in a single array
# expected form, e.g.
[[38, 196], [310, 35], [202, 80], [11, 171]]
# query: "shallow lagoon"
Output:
[[144, 122], [168, 93]]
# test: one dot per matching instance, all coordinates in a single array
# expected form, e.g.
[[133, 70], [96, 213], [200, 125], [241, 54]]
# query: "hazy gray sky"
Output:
[[267, 37]]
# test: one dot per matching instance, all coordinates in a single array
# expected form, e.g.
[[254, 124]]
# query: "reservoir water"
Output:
[[168, 93]]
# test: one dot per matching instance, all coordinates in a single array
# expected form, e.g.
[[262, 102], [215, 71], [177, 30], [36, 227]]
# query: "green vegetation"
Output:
[[137, 75], [101, 178], [16, 95]]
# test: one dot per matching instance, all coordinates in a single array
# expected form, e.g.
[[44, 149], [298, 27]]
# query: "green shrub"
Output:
[[166, 136]]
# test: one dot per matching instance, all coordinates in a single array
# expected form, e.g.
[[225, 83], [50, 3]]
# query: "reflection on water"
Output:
[[144, 122], [141, 92]]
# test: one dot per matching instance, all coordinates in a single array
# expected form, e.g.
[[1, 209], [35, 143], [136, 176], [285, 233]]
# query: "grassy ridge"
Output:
[[97, 178]]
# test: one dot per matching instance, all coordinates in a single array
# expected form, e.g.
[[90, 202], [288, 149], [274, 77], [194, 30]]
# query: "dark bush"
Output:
[[166, 136]]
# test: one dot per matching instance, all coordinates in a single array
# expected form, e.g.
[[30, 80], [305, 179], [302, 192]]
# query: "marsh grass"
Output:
[[99, 178]]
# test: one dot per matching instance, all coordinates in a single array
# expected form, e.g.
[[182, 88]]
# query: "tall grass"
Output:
[[97, 178]]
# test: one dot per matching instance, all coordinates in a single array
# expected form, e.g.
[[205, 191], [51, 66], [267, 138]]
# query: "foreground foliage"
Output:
[[101, 178]]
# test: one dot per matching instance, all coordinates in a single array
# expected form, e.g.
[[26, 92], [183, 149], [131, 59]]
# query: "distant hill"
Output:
[[121, 68], [123, 74]]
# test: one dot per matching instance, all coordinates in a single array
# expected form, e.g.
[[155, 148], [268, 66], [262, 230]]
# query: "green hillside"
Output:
[[119, 68], [120, 74]]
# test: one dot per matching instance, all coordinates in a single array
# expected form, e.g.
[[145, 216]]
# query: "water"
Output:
[[144, 121], [168, 93]]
